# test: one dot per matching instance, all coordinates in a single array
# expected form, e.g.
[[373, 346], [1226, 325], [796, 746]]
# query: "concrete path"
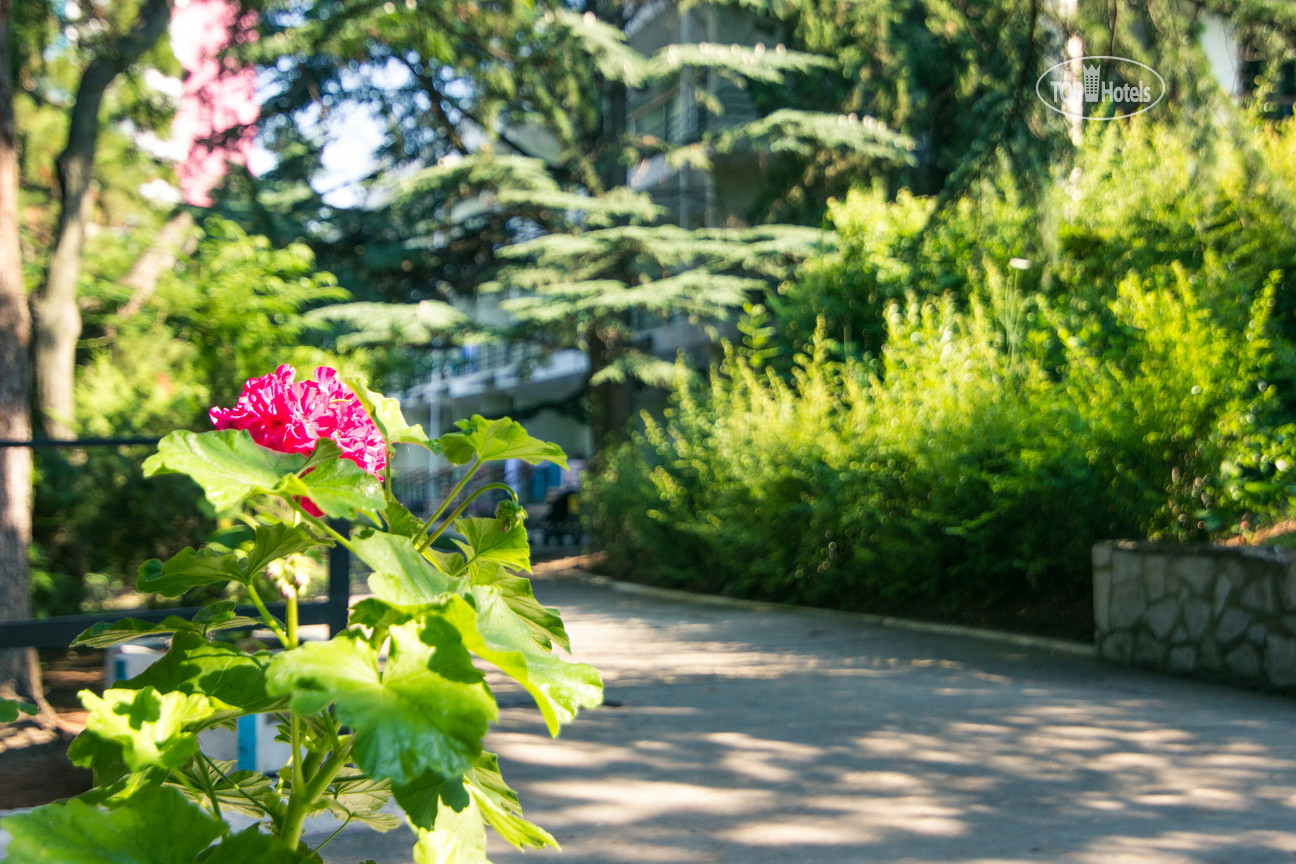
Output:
[[780, 737], [741, 736]]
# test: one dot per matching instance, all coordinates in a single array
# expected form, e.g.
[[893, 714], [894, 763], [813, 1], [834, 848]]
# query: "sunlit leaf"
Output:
[[143, 728], [158, 826], [425, 712], [215, 669], [388, 417], [457, 835], [489, 440], [545, 623], [498, 635], [401, 575], [338, 487], [487, 540], [227, 464], [500, 806], [401, 521]]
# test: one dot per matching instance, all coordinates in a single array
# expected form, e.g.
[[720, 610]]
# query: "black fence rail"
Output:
[[59, 631]]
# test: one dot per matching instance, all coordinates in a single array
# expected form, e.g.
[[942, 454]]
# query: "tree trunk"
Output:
[[607, 339], [610, 402], [55, 315], [15, 420]]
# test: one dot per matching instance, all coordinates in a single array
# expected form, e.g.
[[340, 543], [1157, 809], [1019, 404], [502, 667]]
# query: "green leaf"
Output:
[[188, 568], [487, 540], [143, 728], [248, 792], [275, 541], [421, 798], [215, 669], [103, 634], [10, 709], [401, 521], [227, 464], [546, 624], [500, 807], [426, 801], [388, 417], [157, 826], [222, 615], [425, 713], [498, 635], [355, 796], [250, 845], [339, 487], [326, 450], [458, 834], [210, 619], [401, 574], [489, 440]]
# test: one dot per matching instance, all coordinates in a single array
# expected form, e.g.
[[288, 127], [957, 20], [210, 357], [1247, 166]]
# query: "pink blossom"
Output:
[[216, 117], [292, 417]]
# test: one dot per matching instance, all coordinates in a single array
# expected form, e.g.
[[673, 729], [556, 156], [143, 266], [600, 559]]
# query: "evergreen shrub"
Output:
[[957, 433]]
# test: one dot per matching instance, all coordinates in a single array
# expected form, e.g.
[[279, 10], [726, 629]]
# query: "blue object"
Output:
[[247, 742]]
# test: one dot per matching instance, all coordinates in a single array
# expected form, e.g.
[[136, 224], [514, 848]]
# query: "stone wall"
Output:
[[1219, 612]]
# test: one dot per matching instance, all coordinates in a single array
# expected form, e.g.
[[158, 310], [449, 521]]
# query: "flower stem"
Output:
[[320, 524], [454, 493], [306, 794], [461, 508], [297, 808], [265, 614], [329, 838], [180, 779], [293, 618], [211, 792]]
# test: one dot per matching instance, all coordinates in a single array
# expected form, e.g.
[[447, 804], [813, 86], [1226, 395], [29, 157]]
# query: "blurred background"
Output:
[[867, 304]]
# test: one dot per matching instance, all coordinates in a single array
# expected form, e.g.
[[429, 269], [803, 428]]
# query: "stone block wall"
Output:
[[1219, 612]]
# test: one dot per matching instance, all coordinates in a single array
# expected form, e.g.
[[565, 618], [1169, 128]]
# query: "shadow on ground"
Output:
[[755, 737]]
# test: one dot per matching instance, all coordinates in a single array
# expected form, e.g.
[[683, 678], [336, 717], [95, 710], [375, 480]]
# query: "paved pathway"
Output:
[[780, 737]]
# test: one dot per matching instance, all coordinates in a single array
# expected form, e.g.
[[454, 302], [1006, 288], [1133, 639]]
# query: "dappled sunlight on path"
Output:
[[751, 737]]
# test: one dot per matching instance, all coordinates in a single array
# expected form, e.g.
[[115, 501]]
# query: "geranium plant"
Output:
[[393, 707]]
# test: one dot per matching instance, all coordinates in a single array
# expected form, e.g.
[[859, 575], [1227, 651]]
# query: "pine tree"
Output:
[[539, 203]]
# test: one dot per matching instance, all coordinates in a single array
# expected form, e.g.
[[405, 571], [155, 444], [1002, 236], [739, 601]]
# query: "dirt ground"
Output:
[[33, 761]]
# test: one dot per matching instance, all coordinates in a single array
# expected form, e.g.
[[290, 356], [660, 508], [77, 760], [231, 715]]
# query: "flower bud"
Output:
[[509, 513]]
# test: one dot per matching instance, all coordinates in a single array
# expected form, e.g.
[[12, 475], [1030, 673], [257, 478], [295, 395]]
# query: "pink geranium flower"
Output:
[[291, 417]]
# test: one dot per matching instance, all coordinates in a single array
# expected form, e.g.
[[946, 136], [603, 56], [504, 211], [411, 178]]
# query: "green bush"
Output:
[[963, 470], [891, 249], [1142, 199], [956, 432]]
